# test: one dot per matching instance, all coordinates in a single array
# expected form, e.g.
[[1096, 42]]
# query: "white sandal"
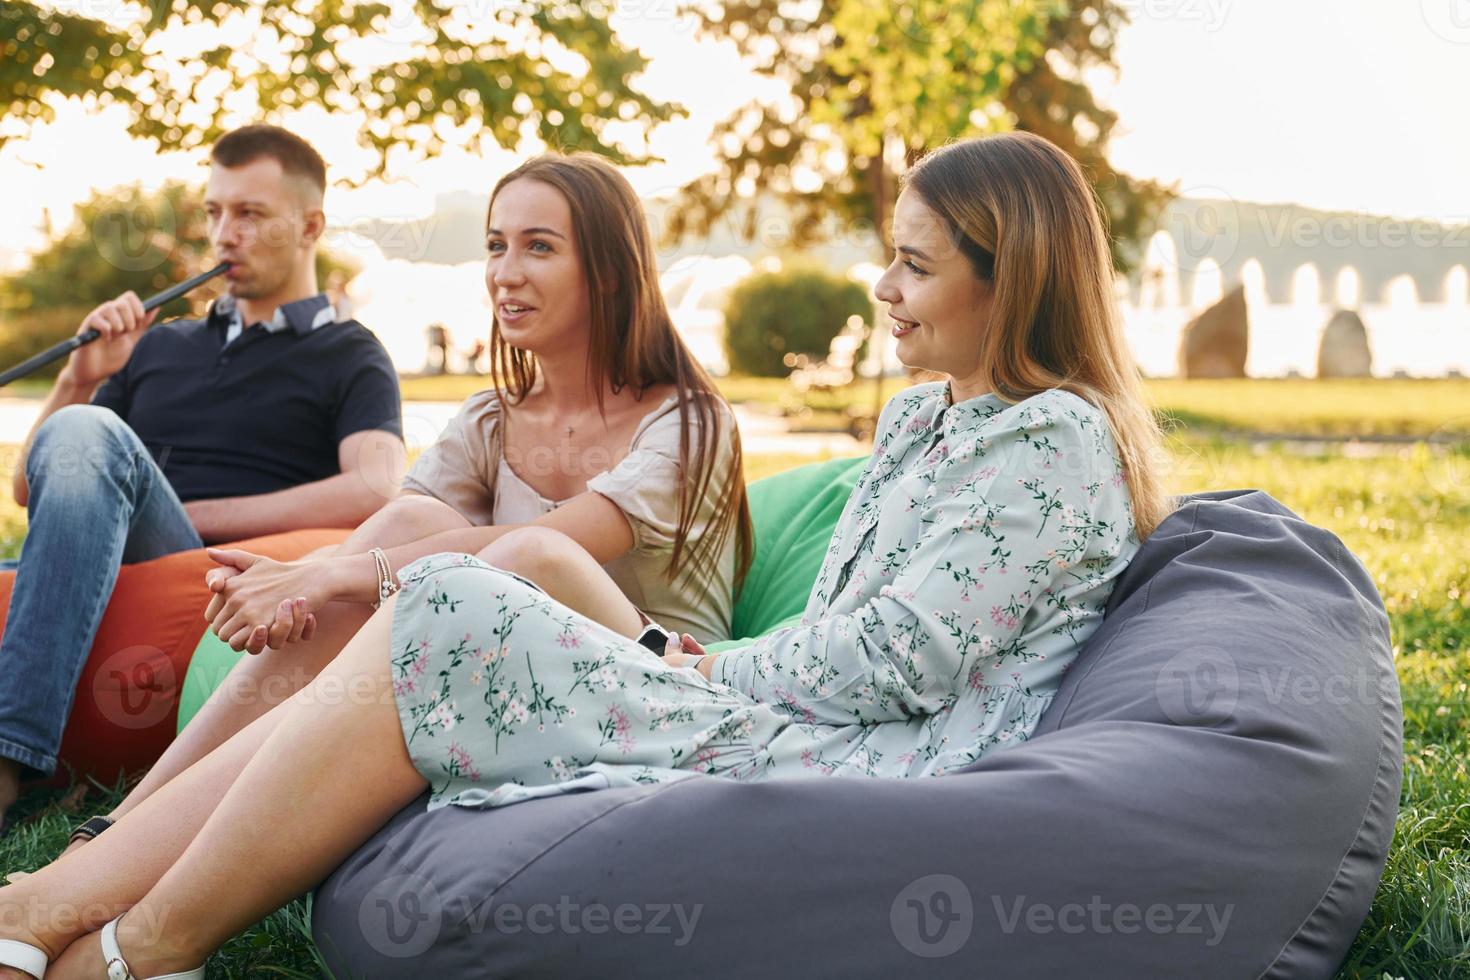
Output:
[[23, 956], [117, 967]]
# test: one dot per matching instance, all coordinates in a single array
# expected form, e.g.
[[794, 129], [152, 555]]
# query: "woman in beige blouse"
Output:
[[603, 465]]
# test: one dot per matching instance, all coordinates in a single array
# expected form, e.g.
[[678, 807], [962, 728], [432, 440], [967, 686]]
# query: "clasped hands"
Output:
[[246, 613], [245, 610]]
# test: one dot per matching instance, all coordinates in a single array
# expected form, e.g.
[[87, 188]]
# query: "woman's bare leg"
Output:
[[259, 683], [89, 888], [549, 559], [257, 822], [292, 815], [254, 686]]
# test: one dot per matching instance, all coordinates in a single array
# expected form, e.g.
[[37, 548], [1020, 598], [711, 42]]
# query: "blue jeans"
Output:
[[97, 501]]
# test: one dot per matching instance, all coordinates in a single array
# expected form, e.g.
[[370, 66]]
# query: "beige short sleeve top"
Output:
[[467, 471], [461, 467]]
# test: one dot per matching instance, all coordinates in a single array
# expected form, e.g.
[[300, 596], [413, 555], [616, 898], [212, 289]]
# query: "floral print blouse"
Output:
[[975, 555]]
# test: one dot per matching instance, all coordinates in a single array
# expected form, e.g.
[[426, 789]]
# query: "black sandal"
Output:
[[90, 828]]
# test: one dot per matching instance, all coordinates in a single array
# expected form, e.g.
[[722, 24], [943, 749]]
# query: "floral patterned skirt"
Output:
[[504, 695]]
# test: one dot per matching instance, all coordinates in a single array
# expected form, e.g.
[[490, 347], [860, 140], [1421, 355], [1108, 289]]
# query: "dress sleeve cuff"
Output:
[[731, 668]]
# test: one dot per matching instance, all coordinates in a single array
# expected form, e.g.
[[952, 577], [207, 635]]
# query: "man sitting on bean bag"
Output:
[[268, 415]]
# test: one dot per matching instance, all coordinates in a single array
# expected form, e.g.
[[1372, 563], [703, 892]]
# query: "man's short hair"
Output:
[[249, 143]]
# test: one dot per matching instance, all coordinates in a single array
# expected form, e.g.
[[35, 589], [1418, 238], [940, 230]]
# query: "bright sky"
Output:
[[1338, 104], [1352, 104]]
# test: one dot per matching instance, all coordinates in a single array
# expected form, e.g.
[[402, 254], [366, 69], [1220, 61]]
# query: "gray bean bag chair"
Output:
[[1212, 794]]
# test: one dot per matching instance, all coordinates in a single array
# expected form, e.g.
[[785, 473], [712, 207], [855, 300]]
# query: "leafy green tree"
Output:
[[874, 86], [796, 310], [416, 68], [1058, 105], [129, 239]]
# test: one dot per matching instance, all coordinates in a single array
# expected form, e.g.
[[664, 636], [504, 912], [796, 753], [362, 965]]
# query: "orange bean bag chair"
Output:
[[127, 699]]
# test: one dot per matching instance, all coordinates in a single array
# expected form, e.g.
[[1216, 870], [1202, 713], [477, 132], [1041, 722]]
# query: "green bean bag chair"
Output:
[[794, 514]]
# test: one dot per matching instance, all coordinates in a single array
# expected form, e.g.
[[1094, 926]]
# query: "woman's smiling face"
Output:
[[940, 307], [534, 272]]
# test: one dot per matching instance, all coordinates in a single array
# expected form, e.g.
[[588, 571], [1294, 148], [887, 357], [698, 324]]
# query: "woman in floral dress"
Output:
[[974, 558]]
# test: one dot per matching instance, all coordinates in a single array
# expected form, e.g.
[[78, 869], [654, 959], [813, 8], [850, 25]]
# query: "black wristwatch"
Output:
[[90, 828], [655, 638]]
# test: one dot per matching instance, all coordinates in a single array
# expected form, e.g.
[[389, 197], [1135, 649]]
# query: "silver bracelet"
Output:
[[386, 586]]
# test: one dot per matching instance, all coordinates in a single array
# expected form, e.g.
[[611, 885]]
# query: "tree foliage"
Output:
[[127, 239], [419, 69], [796, 310], [874, 86], [1050, 99]]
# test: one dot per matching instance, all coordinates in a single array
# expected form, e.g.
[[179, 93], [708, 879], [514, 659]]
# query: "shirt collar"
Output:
[[965, 416], [302, 315]]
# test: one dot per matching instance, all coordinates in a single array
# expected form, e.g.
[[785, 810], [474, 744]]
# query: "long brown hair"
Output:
[[633, 343], [1024, 213]]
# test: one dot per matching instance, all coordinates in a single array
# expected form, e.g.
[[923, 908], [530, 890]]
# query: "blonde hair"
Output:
[[1023, 212]]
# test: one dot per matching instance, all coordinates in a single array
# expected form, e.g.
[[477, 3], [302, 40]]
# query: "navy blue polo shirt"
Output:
[[260, 412]]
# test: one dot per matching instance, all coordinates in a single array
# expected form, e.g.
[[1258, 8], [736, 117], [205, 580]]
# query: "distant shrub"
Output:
[[797, 310]]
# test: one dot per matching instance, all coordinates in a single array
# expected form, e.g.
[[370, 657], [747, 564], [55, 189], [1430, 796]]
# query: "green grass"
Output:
[[1380, 407], [277, 946], [27, 388], [1376, 407], [1405, 512], [1372, 407], [1338, 408]]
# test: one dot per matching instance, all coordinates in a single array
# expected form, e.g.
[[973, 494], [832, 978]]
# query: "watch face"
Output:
[[654, 638]]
